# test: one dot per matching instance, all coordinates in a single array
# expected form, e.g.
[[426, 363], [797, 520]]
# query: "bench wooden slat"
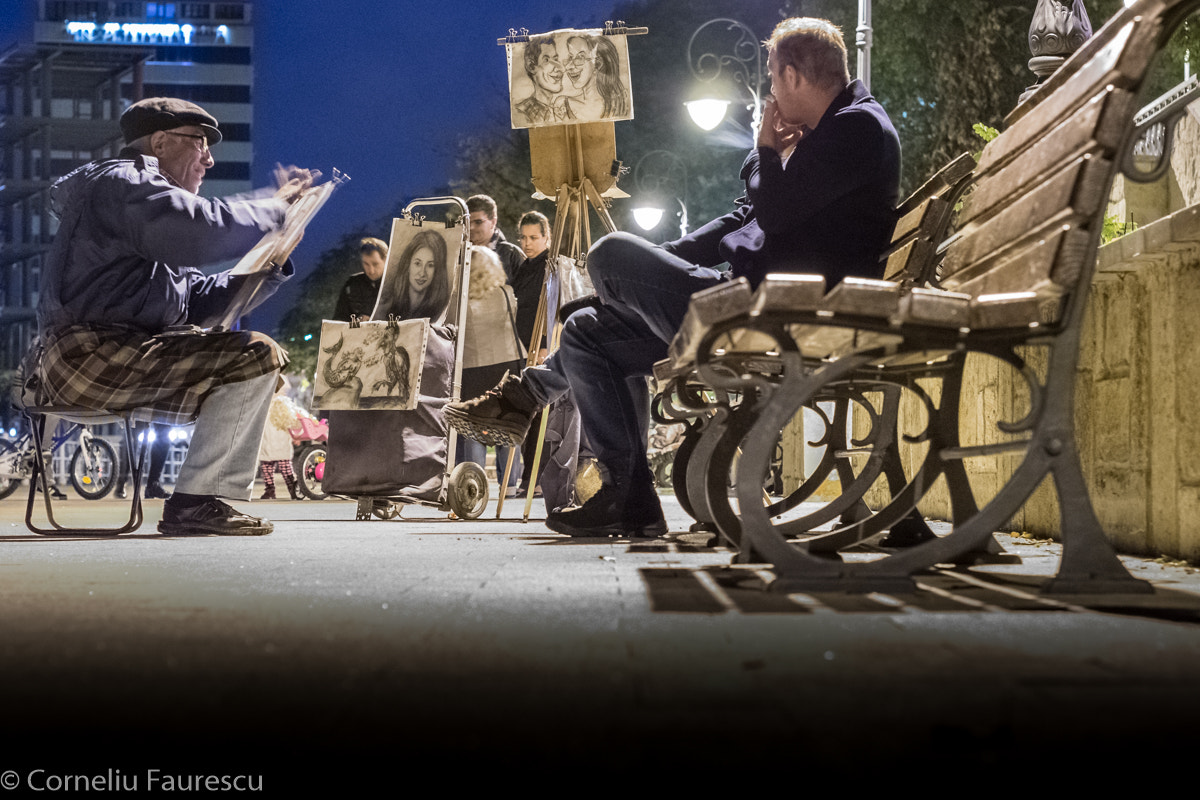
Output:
[[1068, 198], [664, 370], [911, 357], [1016, 310], [936, 307], [743, 340], [864, 296], [1058, 258], [789, 292], [1097, 125], [820, 341], [942, 184], [924, 219], [900, 264], [707, 308]]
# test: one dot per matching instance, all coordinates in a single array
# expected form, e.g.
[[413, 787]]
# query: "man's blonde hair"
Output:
[[815, 48]]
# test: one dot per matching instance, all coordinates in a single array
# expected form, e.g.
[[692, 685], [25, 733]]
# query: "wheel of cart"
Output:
[[381, 452]]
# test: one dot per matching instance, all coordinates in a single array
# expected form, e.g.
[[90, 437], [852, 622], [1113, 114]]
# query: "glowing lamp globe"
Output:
[[648, 217], [707, 112]]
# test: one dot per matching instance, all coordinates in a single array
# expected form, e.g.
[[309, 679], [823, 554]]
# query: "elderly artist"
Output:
[[121, 284], [821, 186]]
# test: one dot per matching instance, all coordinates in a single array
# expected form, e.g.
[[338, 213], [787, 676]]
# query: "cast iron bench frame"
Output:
[[717, 419]]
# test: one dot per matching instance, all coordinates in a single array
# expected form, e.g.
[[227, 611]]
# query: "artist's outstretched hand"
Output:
[[293, 181], [775, 133]]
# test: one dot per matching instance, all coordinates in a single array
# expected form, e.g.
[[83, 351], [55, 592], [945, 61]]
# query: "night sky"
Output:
[[381, 91]]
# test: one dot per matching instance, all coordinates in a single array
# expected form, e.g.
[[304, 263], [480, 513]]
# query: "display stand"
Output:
[[577, 165]]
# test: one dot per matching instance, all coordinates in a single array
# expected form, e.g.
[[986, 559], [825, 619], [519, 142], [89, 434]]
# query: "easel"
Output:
[[577, 164]]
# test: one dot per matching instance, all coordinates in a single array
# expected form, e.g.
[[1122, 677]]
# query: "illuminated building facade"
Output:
[[62, 91]]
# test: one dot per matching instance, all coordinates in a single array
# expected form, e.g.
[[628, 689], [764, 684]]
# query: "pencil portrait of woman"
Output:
[[421, 286]]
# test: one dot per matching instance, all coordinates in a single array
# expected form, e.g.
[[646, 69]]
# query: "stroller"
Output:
[[380, 455], [308, 440]]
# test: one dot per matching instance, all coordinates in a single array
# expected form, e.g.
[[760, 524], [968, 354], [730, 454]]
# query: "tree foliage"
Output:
[[939, 68]]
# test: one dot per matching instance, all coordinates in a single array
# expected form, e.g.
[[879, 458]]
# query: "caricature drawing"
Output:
[[544, 67], [593, 70], [569, 76]]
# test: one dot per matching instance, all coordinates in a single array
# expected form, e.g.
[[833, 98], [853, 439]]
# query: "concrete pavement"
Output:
[[334, 653]]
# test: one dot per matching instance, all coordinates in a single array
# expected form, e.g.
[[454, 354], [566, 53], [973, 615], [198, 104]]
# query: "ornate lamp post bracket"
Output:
[[721, 50]]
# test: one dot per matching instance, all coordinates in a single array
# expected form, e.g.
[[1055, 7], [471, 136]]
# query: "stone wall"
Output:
[[1137, 399]]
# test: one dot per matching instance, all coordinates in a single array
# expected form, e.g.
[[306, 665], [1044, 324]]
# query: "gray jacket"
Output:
[[130, 243]]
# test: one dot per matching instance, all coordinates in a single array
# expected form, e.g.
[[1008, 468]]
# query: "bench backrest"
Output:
[[922, 221], [1031, 224], [910, 260]]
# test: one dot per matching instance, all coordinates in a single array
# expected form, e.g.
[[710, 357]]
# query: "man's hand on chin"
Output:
[[775, 133]]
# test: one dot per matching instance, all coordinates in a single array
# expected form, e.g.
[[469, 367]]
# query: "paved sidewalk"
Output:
[[336, 652]]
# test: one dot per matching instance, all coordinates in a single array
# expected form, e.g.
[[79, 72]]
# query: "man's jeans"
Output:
[[606, 352], [222, 459]]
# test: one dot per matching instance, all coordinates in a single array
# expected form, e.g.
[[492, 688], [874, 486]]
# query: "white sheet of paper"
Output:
[[278, 244]]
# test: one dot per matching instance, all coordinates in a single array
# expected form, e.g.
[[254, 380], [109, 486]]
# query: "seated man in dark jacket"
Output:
[[821, 189], [123, 271]]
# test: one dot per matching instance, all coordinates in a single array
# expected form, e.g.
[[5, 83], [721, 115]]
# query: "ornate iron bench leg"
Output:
[[699, 460], [1089, 562]]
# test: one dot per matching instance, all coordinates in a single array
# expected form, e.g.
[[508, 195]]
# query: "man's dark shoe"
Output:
[[643, 512], [608, 513], [498, 416], [210, 517], [644, 523], [155, 491], [121, 493]]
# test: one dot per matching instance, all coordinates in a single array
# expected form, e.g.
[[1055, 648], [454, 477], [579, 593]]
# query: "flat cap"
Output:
[[163, 114]]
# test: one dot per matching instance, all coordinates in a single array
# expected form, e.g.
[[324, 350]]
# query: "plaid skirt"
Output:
[[119, 369]]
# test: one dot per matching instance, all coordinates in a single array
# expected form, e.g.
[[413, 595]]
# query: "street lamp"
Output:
[[863, 39], [658, 177], [730, 53]]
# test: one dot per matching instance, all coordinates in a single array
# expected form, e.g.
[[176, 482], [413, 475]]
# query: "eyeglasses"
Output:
[[579, 59], [201, 139]]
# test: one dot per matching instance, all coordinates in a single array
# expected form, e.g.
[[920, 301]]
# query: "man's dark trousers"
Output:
[[607, 351]]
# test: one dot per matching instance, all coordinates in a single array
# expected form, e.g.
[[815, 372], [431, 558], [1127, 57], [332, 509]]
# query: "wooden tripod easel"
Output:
[[571, 158]]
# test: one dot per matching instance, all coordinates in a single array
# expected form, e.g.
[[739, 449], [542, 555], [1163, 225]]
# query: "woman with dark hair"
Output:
[[593, 67], [421, 287]]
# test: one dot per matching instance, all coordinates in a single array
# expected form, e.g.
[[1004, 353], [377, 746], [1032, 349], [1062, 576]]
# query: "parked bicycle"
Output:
[[93, 466]]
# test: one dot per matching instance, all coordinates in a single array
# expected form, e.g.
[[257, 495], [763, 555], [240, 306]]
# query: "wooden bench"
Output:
[[1016, 276], [716, 419]]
